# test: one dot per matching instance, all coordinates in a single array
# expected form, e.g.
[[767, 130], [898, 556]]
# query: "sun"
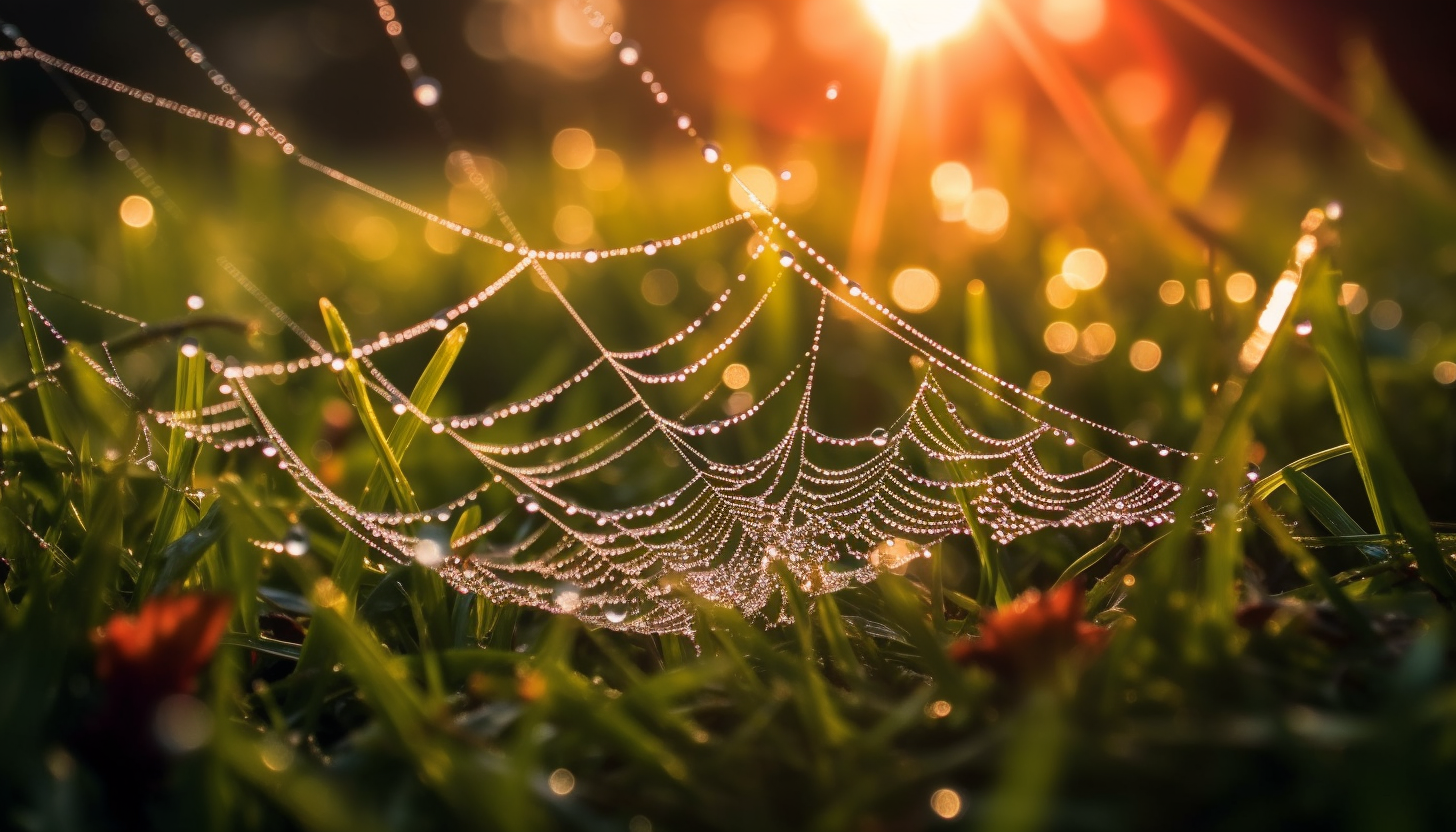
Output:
[[911, 25]]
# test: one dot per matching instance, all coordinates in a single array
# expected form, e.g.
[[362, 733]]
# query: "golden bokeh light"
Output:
[[1386, 314], [951, 181], [137, 211], [1445, 372], [1172, 292], [1240, 287], [1353, 297], [573, 148], [987, 211], [1098, 339], [1060, 337], [659, 287], [1145, 355], [1040, 380], [915, 289], [739, 38], [1059, 293], [946, 803], [1073, 21], [561, 781], [760, 180], [1084, 268], [911, 25], [573, 225], [736, 376]]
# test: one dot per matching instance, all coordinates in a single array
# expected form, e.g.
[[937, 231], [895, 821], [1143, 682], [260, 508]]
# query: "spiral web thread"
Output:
[[824, 511]]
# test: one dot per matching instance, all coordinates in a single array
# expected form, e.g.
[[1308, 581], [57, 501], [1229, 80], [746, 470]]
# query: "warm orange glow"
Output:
[[1072, 21], [1060, 337], [1084, 268], [136, 211], [917, 24], [915, 290], [987, 211], [752, 181]]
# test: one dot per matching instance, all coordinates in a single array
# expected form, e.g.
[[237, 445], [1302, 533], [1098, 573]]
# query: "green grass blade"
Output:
[[1310, 568], [350, 564], [1268, 485], [353, 380], [1325, 508], [1093, 555], [1393, 498], [182, 453]]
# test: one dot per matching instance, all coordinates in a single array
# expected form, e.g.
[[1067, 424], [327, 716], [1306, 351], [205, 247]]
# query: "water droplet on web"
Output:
[[427, 91], [432, 546], [880, 436], [189, 347], [296, 541], [615, 612], [566, 597], [195, 302], [711, 152], [629, 53], [786, 258]]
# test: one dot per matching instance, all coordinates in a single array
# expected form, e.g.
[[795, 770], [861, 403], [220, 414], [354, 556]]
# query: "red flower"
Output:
[[159, 652], [1033, 634], [141, 660]]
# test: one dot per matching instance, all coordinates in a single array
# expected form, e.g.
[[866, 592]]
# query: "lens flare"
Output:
[[917, 24]]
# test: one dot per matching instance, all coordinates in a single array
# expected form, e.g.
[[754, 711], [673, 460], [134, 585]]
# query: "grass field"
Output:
[[1277, 658]]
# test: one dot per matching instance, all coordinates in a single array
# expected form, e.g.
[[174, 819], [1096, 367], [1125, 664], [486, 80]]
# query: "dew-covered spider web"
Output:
[[740, 503]]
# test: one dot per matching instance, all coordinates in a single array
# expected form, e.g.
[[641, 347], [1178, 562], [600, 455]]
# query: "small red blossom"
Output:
[[160, 650], [143, 659], [1033, 634]]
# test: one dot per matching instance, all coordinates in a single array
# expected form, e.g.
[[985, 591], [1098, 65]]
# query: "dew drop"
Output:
[[880, 437], [616, 612], [629, 53], [711, 152], [189, 347], [296, 541], [567, 597], [432, 546], [786, 258]]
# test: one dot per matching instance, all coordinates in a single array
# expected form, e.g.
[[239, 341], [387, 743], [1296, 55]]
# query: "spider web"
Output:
[[821, 509]]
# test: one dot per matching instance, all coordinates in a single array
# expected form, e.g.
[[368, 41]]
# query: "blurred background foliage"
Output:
[[1264, 698]]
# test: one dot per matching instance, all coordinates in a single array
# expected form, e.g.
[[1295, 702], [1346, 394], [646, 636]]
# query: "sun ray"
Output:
[[879, 166], [1087, 124]]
